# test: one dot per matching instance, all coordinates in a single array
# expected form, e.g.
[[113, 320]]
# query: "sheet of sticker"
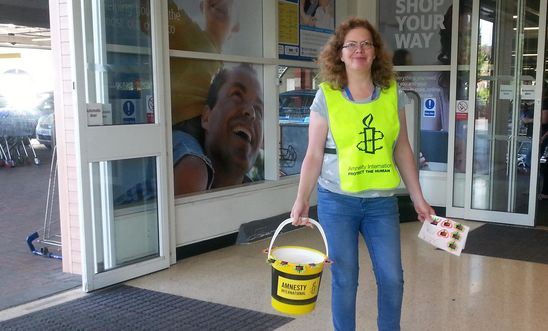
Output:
[[445, 234]]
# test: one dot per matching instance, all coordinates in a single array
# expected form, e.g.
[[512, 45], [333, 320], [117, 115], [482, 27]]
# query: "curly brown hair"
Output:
[[332, 69]]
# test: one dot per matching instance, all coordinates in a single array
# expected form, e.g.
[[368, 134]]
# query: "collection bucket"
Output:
[[296, 274]]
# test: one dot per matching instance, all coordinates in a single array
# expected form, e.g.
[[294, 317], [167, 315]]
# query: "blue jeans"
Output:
[[343, 218]]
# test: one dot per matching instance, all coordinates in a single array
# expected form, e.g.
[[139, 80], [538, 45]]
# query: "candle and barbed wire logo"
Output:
[[370, 136]]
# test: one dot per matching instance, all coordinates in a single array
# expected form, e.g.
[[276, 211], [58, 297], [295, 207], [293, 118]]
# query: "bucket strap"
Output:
[[288, 221]]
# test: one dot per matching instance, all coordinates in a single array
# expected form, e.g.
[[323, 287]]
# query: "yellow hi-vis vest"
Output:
[[364, 135]]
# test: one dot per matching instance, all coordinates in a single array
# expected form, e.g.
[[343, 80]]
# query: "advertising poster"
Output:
[[304, 27], [217, 109], [420, 29], [222, 146], [220, 26]]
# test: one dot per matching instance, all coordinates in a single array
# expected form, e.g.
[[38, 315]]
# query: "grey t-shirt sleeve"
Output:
[[402, 97], [319, 104]]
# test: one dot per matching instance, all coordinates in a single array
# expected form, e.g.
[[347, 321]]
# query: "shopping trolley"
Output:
[[16, 128], [50, 237]]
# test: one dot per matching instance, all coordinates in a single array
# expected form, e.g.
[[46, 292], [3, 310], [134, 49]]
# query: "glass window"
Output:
[[125, 212], [129, 89], [431, 89], [124, 66], [297, 89]]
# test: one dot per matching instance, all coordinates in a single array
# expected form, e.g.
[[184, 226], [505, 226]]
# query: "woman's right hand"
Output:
[[299, 213]]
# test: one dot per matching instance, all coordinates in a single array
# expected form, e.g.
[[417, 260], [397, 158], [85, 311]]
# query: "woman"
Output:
[[357, 135]]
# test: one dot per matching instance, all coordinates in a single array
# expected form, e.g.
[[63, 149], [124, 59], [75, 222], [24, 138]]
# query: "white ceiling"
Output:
[[24, 24]]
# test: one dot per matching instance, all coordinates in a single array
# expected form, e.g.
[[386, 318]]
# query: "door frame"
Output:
[[106, 143], [467, 212]]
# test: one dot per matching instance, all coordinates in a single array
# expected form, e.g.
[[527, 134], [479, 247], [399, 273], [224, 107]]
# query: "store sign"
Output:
[[417, 27]]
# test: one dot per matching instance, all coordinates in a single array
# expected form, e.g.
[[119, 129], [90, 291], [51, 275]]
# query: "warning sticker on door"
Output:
[[429, 107]]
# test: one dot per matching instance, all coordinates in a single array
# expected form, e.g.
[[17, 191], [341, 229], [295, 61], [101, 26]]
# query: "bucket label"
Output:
[[298, 289]]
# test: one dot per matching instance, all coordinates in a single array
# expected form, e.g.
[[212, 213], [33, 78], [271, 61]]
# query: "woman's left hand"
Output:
[[424, 210]]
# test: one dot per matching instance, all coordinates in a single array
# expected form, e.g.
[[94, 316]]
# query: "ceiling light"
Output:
[[529, 29]]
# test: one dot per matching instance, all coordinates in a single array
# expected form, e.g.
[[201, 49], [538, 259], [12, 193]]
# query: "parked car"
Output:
[[295, 105], [45, 129], [45, 103]]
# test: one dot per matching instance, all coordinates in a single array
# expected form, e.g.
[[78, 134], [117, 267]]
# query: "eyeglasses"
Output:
[[353, 45]]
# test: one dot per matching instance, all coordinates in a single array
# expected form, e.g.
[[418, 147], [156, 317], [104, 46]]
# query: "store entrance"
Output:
[[498, 106]]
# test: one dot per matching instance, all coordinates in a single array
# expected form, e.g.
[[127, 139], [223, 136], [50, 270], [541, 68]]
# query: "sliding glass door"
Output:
[[497, 119]]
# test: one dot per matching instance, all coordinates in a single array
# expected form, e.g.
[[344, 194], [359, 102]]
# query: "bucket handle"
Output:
[[289, 220]]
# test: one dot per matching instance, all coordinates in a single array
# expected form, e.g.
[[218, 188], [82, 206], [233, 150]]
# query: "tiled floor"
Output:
[[442, 291]]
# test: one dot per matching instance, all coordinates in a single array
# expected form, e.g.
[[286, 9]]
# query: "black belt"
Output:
[[330, 150]]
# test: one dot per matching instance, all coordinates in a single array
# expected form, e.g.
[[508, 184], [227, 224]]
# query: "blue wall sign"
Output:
[[429, 109]]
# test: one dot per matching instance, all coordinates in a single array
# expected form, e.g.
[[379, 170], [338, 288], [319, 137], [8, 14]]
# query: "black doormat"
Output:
[[509, 242], [130, 308]]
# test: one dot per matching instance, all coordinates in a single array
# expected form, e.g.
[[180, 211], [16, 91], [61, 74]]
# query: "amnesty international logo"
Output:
[[370, 136]]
